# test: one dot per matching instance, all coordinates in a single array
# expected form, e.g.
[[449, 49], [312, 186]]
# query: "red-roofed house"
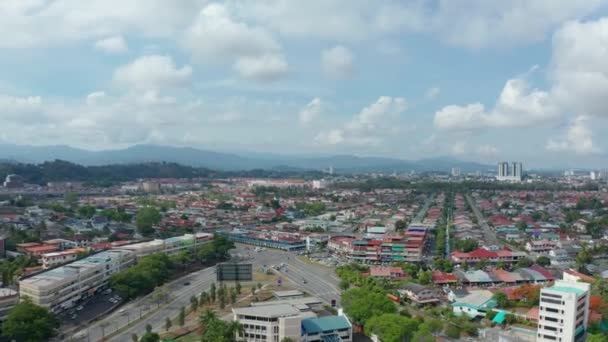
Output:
[[444, 278], [386, 272]]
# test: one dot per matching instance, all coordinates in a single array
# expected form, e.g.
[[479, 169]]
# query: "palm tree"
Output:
[[207, 317], [235, 328]]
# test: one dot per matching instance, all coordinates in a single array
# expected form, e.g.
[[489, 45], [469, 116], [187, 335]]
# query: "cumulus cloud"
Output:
[[311, 111], [370, 126], [112, 45], [517, 106], [216, 35], [39, 23], [580, 67], [95, 97], [579, 138], [265, 68], [153, 72], [337, 62]]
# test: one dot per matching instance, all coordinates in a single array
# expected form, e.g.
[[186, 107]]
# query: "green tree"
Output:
[[237, 286], [232, 295], [400, 225], [204, 299], [29, 323], [524, 262], [452, 330], [344, 284], [168, 324], [361, 304], [181, 319], [466, 245], [146, 218], [71, 199], [222, 300], [391, 327], [501, 299], [543, 261], [193, 303], [150, 337], [597, 338], [134, 337], [425, 278], [423, 336], [212, 293]]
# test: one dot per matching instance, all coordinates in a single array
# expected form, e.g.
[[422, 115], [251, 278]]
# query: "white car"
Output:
[[80, 307]]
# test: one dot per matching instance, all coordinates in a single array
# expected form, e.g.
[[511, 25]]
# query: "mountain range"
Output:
[[228, 161]]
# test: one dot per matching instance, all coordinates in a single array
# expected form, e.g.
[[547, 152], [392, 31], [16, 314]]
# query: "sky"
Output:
[[476, 80]]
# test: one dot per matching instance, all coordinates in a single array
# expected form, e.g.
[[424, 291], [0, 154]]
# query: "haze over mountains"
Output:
[[226, 161]]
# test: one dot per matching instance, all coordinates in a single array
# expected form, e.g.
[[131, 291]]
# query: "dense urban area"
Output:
[[146, 252]]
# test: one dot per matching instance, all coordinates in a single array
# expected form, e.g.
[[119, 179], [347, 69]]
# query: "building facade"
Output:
[[61, 288], [512, 172], [563, 312]]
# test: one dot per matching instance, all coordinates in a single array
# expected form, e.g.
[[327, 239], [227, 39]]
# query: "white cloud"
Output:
[[371, 126], [311, 111], [487, 150], [432, 93], [95, 97], [333, 137], [480, 23], [579, 138], [580, 67], [459, 148], [517, 106], [152, 98], [265, 68], [216, 35], [153, 72], [36, 23], [337, 62], [112, 45]]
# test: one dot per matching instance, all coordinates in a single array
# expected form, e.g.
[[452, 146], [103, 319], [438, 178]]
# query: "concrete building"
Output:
[[8, 299], [170, 246], [152, 187], [455, 172], [50, 260], [563, 312], [275, 321], [63, 287], [509, 172]]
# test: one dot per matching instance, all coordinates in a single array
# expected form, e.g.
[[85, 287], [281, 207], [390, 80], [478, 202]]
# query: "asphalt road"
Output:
[[488, 234], [425, 207], [179, 297], [314, 279]]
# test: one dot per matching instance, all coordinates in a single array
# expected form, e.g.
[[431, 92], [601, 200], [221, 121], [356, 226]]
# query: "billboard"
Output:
[[234, 272]]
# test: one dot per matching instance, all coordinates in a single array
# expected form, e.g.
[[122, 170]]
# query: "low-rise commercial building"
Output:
[[61, 288], [276, 321]]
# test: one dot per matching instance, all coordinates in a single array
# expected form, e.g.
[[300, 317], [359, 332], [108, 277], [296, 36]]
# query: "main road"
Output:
[[425, 207], [318, 281], [488, 234]]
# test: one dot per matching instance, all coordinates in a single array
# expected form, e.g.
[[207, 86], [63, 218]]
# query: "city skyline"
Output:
[[406, 80]]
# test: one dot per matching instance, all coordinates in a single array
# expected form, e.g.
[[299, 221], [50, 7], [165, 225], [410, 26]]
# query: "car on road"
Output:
[[80, 307], [187, 283], [74, 316], [121, 311]]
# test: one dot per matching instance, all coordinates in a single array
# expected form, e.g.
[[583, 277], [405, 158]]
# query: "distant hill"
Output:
[[227, 161]]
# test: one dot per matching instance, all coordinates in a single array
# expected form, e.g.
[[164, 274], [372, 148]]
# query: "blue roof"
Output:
[[324, 324], [500, 317]]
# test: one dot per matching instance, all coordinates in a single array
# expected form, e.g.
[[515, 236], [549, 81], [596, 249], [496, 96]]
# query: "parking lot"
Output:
[[89, 309]]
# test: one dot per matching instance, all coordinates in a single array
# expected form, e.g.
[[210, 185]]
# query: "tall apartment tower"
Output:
[[563, 312], [517, 170]]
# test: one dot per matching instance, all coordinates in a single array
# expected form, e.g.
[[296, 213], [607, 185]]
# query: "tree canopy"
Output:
[[361, 304], [28, 322], [392, 327], [146, 218]]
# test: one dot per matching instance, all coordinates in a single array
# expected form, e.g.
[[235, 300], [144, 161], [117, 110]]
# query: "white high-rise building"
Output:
[[455, 172], [509, 171], [563, 312]]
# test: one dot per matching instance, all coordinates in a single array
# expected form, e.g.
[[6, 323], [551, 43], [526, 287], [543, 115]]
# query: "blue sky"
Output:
[[472, 79]]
